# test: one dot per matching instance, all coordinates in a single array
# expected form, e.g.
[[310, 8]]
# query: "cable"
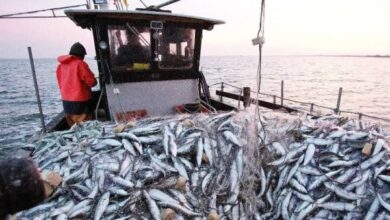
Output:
[[112, 83], [37, 11], [21, 17], [203, 86], [143, 3], [98, 102]]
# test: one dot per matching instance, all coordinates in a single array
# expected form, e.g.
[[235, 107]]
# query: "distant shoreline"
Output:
[[370, 56]]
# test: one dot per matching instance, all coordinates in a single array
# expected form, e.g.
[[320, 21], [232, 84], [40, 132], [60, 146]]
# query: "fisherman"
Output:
[[21, 186], [75, 81], [131, 52]]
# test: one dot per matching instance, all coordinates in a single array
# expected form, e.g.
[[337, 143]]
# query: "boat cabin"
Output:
[[148, 61]]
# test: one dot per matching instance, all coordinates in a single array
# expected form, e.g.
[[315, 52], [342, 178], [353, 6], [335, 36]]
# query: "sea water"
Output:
[[312, 79]]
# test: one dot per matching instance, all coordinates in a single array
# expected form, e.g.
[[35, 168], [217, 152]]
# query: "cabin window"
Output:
[[176, 48], [129, 47]]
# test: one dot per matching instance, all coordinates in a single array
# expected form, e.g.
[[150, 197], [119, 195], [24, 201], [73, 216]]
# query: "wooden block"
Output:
[[168, 214], [181, 183], [119, 128], [51, 177], [131, 124], [188, 123], [51, 180], [213, 216], [367, 148]]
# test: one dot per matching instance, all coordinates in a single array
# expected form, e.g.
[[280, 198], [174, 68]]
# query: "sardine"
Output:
[[153, 208], [101, 205]]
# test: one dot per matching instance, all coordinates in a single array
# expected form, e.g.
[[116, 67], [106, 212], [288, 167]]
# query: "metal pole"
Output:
[[311, 108], [360, 121], [239, 100], [337, 110], [274, 99], [282, 93], [220, 97], [36, 89], [247, 96], [88, 4]]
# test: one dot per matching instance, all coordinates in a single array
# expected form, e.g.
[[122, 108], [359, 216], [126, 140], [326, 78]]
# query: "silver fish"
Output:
[[153, 208], [101, 205], [199, 151]]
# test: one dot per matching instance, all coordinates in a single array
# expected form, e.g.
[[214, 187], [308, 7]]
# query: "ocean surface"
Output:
[[312, 79]]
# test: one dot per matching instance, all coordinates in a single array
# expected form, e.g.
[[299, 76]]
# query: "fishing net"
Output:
[[233, 165]]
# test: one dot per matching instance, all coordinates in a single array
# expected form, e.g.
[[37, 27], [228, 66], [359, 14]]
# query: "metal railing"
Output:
[[336, 110]]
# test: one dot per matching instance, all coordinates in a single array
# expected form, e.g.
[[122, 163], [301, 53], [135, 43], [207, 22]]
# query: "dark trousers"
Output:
[[72, 119], [77, 111]]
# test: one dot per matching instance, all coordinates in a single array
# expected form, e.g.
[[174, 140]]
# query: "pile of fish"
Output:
[[218, 166], [324, 168]]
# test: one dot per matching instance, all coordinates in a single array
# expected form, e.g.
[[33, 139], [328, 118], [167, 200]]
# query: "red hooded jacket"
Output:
[[74, 78]]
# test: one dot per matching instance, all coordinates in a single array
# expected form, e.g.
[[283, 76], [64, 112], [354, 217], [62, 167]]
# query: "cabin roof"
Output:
[[85, 18]]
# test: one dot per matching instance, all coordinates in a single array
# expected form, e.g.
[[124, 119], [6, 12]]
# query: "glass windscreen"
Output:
[[129, 47], [176, 48]]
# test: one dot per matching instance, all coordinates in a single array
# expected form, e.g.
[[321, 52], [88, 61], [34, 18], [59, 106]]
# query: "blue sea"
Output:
[[312, 79]]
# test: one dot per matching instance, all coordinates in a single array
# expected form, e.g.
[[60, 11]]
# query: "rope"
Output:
[[257, 156], [266, 94], [325, 107], [50, 16], [98, 102], [37, 11], [232, 85], [205, 88], [368, 116], [112, 83], [215, 84], [304, 103]]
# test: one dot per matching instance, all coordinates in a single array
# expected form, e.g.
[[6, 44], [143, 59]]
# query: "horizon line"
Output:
[[270, 55]]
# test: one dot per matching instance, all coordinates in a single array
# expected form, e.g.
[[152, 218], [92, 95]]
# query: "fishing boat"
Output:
[[158, 74]]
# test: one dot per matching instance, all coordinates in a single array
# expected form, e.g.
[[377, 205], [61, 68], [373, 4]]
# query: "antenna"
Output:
[[158, 7], [165, 4]]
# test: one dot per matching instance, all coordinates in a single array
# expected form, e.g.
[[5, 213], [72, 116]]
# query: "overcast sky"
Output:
[[292, 27]]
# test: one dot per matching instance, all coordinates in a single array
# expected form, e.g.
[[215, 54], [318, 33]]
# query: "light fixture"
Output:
[[103, 45]]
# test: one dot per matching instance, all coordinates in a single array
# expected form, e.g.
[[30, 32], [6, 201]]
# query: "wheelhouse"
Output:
[[148, 61]]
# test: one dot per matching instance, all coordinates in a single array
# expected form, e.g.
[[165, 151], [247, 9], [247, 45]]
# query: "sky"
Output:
[[292, 27]]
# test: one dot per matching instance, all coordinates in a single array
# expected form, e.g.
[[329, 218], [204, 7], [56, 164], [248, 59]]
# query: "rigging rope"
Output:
[[256, 155], [143, 3], [260, 42], [115, 89], [14, 15]]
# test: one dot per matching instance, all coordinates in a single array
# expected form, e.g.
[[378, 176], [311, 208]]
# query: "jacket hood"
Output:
[[77, 49], [67, 58]]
